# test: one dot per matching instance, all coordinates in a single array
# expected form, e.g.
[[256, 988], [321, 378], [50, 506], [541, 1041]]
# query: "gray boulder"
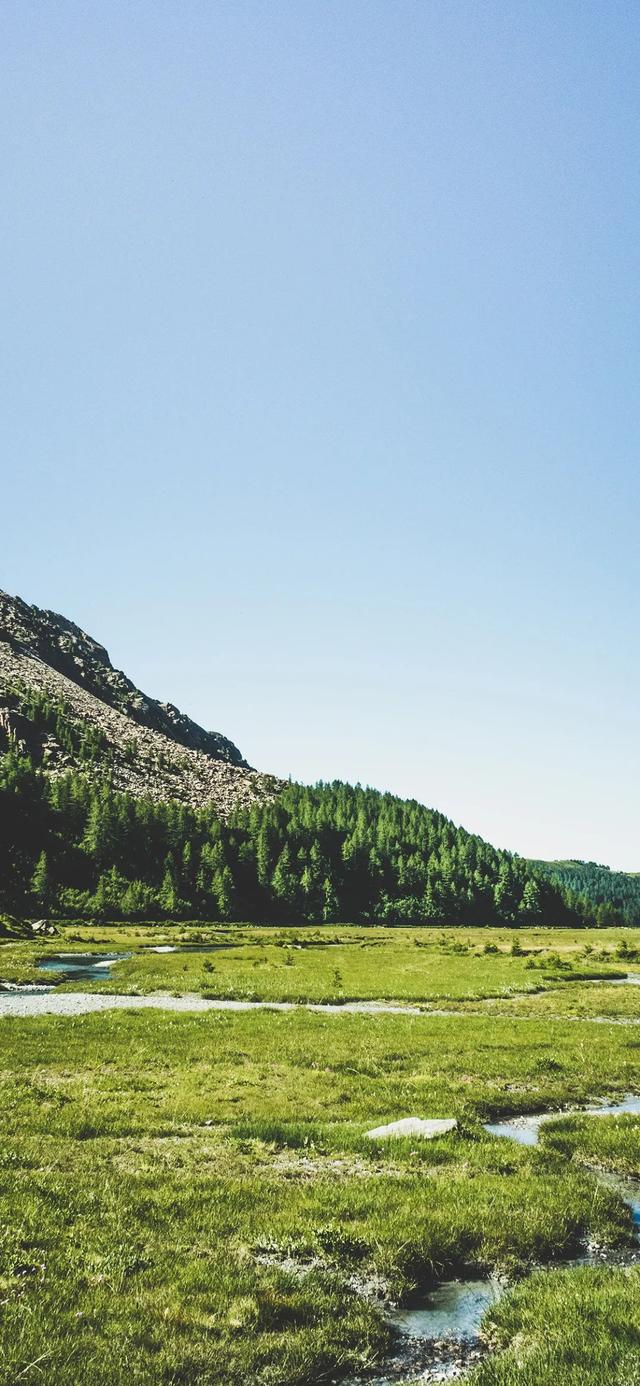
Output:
[[425, 1130]]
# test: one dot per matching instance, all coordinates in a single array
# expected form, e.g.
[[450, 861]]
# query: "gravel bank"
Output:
[[51, 1002], [79, 1002]]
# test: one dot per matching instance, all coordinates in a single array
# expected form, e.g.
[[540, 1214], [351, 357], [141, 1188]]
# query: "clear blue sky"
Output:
[[320, 383]]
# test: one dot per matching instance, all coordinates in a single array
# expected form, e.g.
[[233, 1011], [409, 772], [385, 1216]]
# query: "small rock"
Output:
[[426, 1129], [42, 926]]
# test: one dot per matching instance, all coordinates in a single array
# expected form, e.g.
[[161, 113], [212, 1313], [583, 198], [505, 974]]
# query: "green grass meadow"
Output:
[[337, 963], [191, 1197]]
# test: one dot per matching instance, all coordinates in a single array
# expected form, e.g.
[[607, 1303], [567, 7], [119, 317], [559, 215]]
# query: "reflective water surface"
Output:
[[81, 967], [454, 1309]]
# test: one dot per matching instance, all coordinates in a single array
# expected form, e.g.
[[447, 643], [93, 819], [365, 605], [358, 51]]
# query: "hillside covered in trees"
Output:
[[612, 896], [74, 846], [115, 805]]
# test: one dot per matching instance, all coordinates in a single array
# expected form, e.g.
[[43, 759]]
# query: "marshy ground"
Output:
[[191, 1197]]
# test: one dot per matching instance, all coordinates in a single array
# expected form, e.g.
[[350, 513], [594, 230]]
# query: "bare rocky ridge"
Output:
[[149, 748], [70, 651]]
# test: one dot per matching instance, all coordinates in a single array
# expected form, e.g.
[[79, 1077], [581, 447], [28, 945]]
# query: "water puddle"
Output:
[[453, 1310]]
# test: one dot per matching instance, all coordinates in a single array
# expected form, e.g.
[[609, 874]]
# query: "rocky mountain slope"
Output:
[[63, 702]]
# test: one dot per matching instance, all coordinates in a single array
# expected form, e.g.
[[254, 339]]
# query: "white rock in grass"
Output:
[[414, 1126]]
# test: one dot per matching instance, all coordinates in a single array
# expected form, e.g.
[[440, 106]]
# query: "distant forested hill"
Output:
[[612, 896], [74, 845]]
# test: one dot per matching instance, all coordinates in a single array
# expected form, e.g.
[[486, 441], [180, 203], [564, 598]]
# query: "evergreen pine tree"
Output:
[[41, 882]]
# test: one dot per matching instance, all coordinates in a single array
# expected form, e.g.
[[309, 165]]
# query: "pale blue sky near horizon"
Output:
[[320, 384]]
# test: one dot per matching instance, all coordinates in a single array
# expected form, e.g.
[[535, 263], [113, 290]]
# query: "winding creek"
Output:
[[20, 999]]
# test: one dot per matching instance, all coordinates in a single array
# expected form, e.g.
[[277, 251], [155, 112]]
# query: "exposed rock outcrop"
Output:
[[44, 635], [147, 748]]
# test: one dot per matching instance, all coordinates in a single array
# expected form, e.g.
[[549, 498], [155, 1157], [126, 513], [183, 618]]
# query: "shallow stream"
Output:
[[447, 1323], [70, 967], [81, 967], [93, 967]]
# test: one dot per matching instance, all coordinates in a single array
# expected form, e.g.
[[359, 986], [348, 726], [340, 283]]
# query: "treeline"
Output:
[[612, 896], [72, 846]]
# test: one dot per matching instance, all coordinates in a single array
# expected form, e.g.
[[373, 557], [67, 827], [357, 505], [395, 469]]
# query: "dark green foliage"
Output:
[[81, 740], [609, 897], [77, 847], [11, 928]]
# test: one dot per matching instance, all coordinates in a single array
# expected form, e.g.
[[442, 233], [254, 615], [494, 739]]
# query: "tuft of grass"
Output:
[[578, 1328], [611, 1143]]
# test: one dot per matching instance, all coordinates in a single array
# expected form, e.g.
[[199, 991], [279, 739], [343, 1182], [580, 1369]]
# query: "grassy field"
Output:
[[343, 964], [192, 1198]]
